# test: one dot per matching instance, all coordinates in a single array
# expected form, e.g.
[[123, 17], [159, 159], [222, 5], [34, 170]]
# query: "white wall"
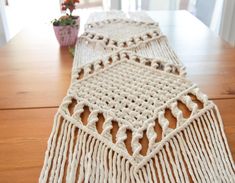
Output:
[[160, 4], [227, 28], [115, 4], [2, 34], [204, 10], [2, 26]]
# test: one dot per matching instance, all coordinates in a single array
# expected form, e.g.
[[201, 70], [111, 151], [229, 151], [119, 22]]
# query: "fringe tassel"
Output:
[[197, 153], [76, 156]]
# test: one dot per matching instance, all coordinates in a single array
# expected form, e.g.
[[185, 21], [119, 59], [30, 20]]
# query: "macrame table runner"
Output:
[[130, 114]]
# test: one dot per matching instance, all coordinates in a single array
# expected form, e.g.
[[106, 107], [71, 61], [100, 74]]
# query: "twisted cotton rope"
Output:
[[136, 92]]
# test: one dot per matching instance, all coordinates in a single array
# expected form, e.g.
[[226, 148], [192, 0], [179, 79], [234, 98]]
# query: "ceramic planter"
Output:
[[67, 35]]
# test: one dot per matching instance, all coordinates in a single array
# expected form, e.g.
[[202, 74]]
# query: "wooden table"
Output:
[[35, 74]]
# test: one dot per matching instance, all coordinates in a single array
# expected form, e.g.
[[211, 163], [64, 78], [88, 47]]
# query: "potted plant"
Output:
[[66, 27]]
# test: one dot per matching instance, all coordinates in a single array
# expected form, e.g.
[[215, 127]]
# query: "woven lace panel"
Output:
[[145, 39], [130, 92], [87, 51]]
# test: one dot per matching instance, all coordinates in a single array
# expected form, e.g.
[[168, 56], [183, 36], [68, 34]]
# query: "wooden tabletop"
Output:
[[35, 75]]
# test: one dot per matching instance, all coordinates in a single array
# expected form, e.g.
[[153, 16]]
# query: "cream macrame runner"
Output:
[[129, 80]]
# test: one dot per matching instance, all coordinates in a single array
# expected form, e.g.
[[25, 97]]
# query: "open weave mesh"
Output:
[[134, 92], [124, 28]]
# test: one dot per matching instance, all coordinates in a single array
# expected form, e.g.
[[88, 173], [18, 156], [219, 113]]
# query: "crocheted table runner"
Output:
[[130, 115]]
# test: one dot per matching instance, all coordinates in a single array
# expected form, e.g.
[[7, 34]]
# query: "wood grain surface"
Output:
[[35, 75]]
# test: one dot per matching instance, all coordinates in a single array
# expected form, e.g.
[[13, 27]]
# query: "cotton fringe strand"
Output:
[[197, 152]]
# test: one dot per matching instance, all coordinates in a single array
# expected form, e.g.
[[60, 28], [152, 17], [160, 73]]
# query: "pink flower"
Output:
[[70, 5]]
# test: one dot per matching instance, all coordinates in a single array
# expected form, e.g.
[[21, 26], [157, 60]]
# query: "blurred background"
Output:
[[218, 15]]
